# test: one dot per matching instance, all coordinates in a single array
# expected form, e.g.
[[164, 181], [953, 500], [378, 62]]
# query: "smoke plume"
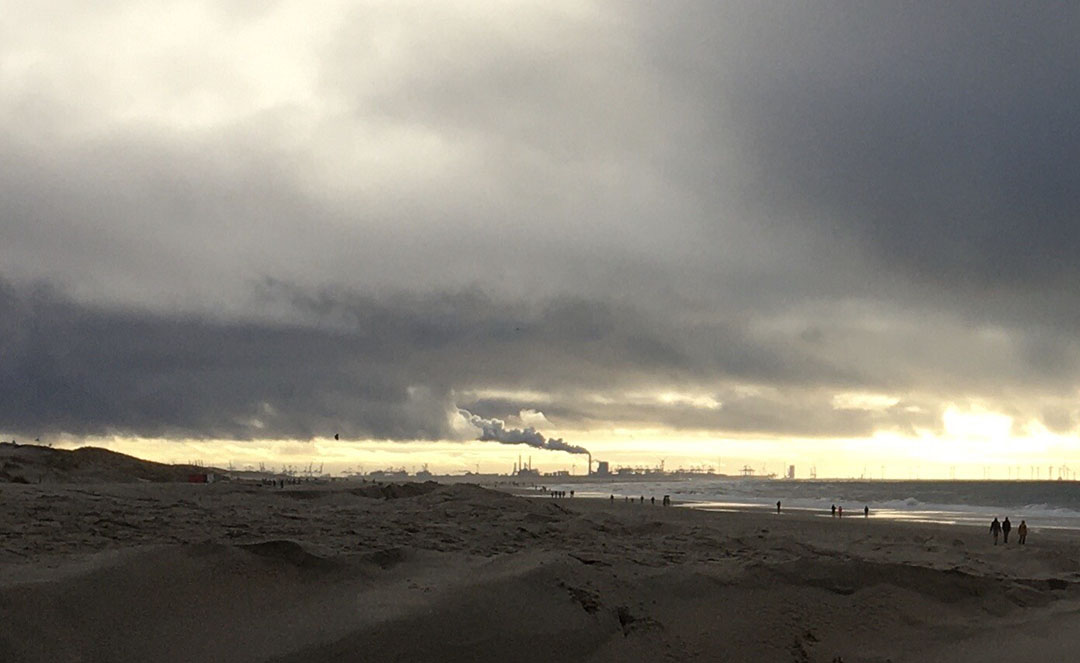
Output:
[[495, 430]]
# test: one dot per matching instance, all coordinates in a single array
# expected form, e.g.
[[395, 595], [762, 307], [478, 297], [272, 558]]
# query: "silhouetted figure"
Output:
[[613, 497], [337, 436], [778, 506], [1006, 527], [866, 512], [667, 500], [642, 499], [571, 493], [1022, 532], [995, 529], [834, 511], [652, 500], [839, 512]]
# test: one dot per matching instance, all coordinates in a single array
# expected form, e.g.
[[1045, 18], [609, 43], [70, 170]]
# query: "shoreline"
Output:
[[914, 517]]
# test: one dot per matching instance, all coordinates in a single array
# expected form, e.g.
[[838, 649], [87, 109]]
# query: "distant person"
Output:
[[1006, 527], [866, 512], [667, 500], [995, 529], [834, 511], [652, 500], [839, 512], [642, 499], [1022, 532], [778, 506], [613, 497], [571, 493]]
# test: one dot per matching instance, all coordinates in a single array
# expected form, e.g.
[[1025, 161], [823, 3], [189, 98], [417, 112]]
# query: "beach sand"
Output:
[[350, 572]]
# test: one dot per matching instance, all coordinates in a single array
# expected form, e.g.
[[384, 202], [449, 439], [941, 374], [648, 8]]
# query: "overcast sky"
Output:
[[280, 220]]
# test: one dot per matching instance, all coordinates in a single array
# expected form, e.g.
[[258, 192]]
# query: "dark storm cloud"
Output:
[[70, 368], [577, 200], [941, 139], [790, 411], [360, 366]]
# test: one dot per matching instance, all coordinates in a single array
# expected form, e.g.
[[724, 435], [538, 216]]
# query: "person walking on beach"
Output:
[[866, 511], [995, 529], [778, 506], [1006, 527], [839, 512], [834, 511], [1022, 531]]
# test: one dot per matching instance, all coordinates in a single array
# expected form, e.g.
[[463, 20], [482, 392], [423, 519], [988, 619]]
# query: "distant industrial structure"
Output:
[[525, 471]]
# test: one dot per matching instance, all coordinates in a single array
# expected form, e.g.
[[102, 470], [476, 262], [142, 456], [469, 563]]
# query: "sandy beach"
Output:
[[428, 572]]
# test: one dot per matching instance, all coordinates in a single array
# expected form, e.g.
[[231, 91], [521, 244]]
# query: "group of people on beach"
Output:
[[652, 500], [280, 483], [838, 511], [1004, 527]]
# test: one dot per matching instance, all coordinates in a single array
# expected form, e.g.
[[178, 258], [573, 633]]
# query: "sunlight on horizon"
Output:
[[975, 444]]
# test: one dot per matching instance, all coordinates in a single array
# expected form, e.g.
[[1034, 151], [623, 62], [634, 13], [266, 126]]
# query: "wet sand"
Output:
[[348, 572]]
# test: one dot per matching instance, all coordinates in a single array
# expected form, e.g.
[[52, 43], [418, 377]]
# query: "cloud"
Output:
[[410, 207], [80, 370], [399, 367]]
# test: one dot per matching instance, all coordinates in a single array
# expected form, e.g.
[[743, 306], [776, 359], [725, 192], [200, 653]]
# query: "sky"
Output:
[[839, 235]]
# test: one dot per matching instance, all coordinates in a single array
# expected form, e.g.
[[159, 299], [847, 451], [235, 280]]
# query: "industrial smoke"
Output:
[[495, 430]]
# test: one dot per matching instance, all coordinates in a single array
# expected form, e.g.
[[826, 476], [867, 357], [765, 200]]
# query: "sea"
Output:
[[1043, 504]]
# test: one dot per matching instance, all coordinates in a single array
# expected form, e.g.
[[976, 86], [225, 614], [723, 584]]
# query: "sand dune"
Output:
[[32, 463], [460, 573]]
